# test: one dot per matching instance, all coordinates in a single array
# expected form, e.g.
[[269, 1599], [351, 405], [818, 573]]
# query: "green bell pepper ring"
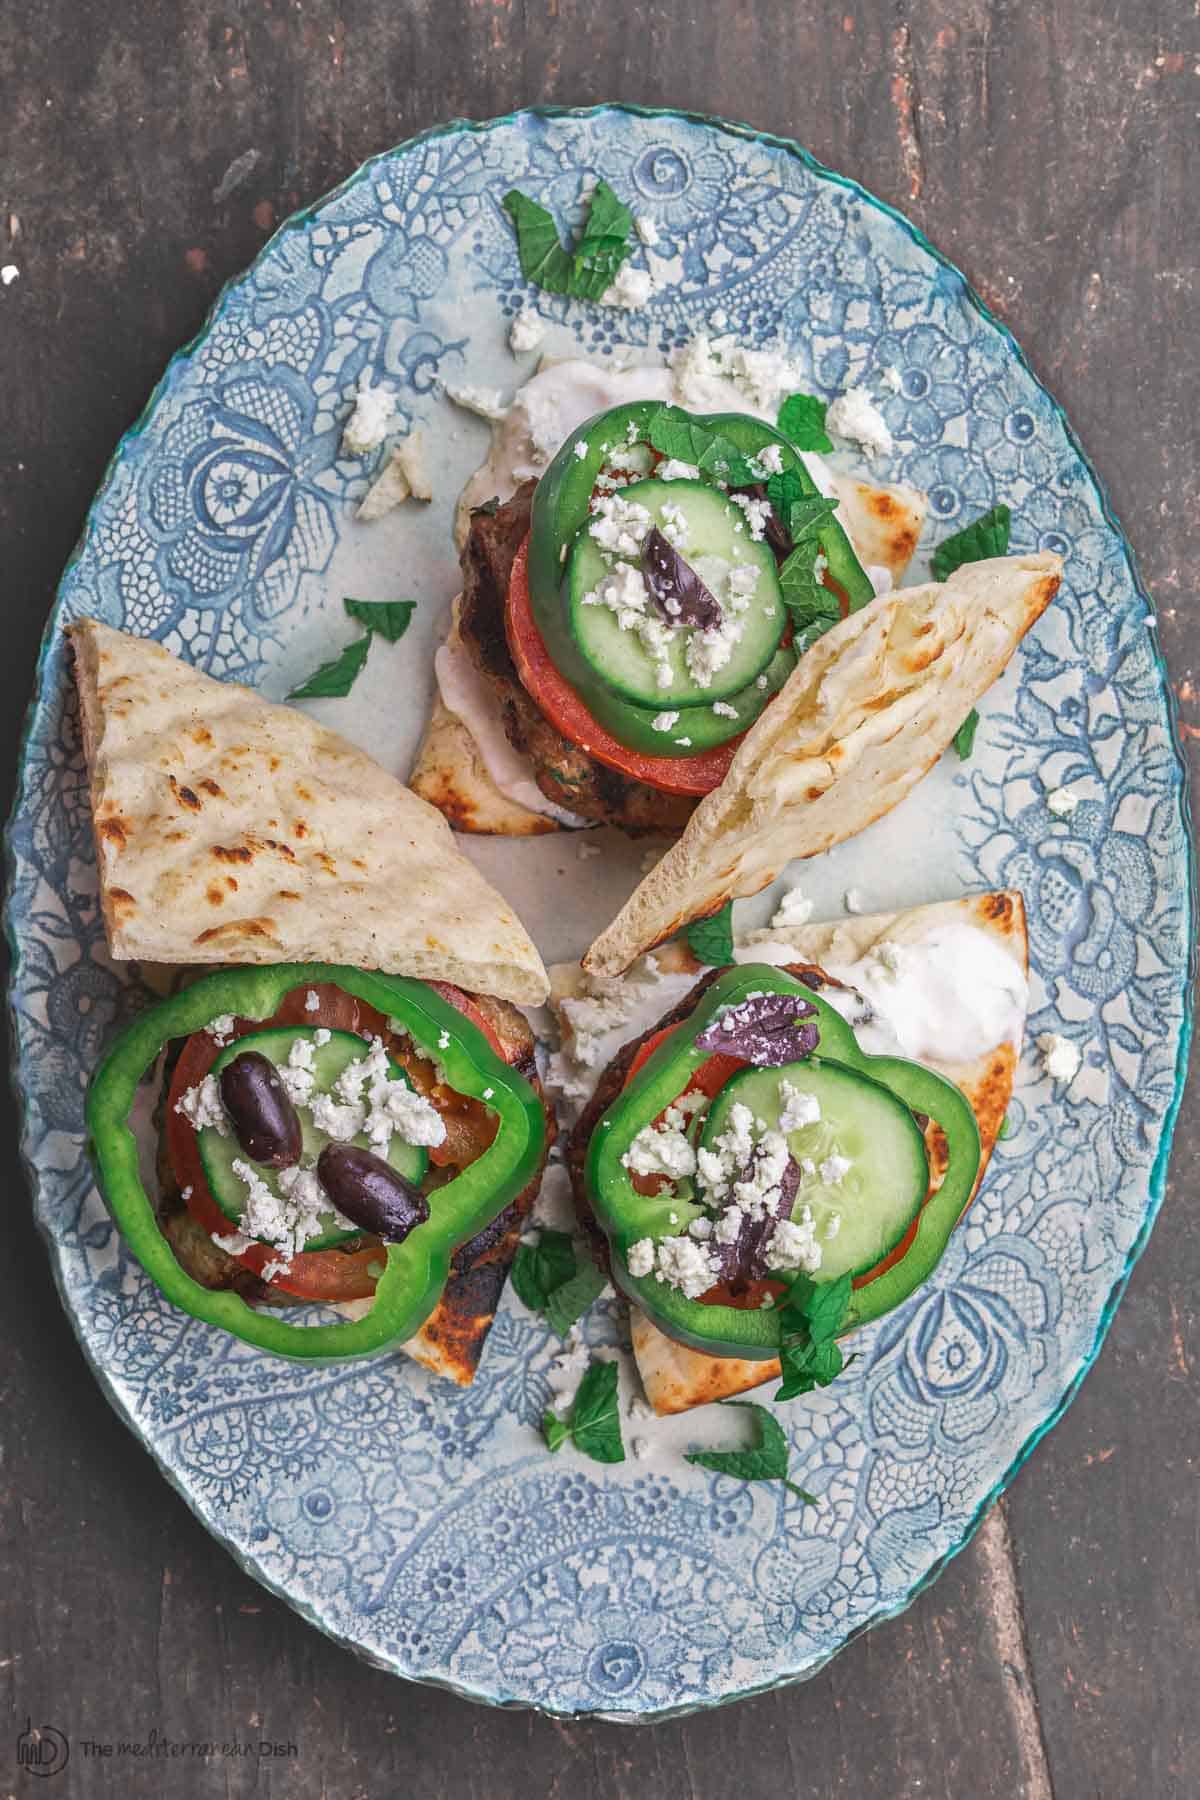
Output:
[[627, 1216], [415, 1271], [560, 511]]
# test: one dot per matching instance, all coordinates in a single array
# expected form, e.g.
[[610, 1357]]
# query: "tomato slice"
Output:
[[320, 1274], [568, 713]]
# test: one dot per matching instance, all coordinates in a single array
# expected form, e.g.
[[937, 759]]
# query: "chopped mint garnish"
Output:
[[566, 1304], [964, 737], [802, 422], [390, 618], [540, 1268], [810, 1319], [585, 271], [711, 939], [674, 434], [594, 1421], [333, 680], [766, 1460], [549, 1281], [985, 536], [1006, 1128]]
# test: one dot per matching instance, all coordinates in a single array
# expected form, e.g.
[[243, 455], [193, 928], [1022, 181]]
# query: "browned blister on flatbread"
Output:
[[229, 829]]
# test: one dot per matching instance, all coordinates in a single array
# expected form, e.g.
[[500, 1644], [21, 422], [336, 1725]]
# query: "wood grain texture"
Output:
[[145, 153]]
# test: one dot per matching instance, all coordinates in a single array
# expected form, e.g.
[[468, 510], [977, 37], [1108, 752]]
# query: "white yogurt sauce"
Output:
[[547, 408], [467, 693], [950, 997]]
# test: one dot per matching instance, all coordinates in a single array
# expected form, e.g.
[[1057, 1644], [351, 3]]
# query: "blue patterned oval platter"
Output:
[[421, 1524]]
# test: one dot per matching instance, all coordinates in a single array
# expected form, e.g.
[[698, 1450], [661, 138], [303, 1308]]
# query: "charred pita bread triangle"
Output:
[[866, 713], [232, 830]]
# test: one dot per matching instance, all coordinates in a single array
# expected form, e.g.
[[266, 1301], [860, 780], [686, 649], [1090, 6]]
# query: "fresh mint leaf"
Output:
[[711, 939], [556, 1431], [802, 422], [543, 259], [604, 245], [810, 1319], [674, 434], [807, 516], [594, 1422], [568, 1302], [985, 536], [589, 268], [806, 598], [333, 680], [964, 737], [766, 1460], [723, 461], [538, 1269], [390, 618]]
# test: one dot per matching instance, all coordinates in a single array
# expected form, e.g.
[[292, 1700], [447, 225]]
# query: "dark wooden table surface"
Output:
[[1052, 150]]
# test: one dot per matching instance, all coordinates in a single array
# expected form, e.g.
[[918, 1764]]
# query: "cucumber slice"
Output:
[[218, 1154], [879, 1195], [718, 539]]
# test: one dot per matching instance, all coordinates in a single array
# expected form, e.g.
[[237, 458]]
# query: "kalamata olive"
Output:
[[265, 1123], [370, 1193]]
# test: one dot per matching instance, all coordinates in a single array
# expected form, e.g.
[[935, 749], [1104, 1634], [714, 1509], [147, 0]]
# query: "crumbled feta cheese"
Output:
[[202, 1108], [9, 273], [646, 228], [488, 1092], [1062, 802], [640, 1447], [674, 470], [298, 1074], [581, 449], [340, 1120], [888, 956], [312, 1000], [321, 1037], [793, 909], [686, 1265], [731, 1151], [834, 1170], [284, 1220], [1060, 1059], [793, 1245], [852, 901], [769, 460], [485, 403], [674, 526], [619, 526], [701, 1228], [526, 332], [765, 377], [443, 1040], [723, 709], [221, 1028], [631, 288], [758, 1191], [566, 1372], [854, 415], [625, 595], [234, 1243], [639, 1408], [757, 512], [798, 1108], [640, 1260], [404, 476], [372, 418], [660, 1150], [663, 721], [685, 743]]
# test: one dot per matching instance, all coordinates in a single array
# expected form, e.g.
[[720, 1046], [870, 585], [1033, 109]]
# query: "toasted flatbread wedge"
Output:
[[866, 713], [883, 524], [229, 829], [676, 1377]]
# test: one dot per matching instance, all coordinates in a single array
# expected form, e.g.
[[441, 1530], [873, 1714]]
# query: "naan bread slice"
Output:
[[882, 523], [677, 1377], [229, 829], [865, 714]]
